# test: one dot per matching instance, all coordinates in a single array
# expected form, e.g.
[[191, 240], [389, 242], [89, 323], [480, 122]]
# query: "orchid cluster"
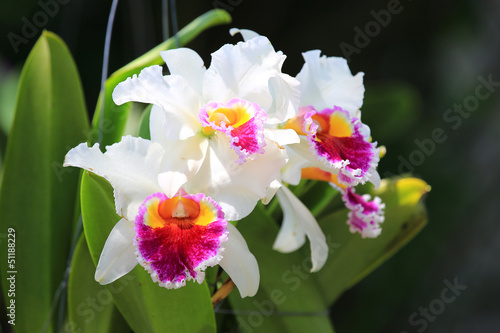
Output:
[[222, 139]]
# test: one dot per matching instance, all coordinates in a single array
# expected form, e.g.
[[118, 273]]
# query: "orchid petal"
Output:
[[337, 140], [118, 255], [365, 215], [300, 156], [375, 179], [299, 219], [131, 166], [172, 93], [285, 92], [327, 82], [282, 137], [186, 63], [171, 181], [240, 264], [291, 236], [271, 191], [189, 153], [244, 128], [178, 238], [245, 33], [237, 188], [252, 71]]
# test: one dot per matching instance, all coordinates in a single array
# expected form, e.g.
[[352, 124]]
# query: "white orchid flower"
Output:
[[172, 231], [335, 145], [329, 124], [215, 118], [298, 222]]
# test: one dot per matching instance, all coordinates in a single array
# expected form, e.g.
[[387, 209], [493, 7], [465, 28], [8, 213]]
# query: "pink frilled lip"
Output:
[[365, 216], [173, 255], [354, 157], [247, 139]]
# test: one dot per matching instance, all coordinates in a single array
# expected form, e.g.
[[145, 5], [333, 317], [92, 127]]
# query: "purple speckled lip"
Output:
[[246, 138], [176, 249]]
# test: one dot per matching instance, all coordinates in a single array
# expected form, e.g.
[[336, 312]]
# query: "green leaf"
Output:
[[288, 299], [145, 306], [37, 197], [354, 257], [115, 117], [8, 88], [91, 307]]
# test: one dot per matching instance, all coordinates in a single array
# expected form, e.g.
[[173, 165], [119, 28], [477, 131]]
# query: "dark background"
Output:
[[428, 58]]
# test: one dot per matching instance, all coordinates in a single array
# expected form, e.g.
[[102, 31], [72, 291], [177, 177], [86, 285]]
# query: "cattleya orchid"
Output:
[[333, 138], [335, 145], [215, 118], [172, 234]]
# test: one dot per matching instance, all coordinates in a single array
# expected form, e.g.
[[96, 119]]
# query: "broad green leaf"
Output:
[[90, 305], [145, 306], [288, 299], [8, 88], [355, 257], [115, 116], [390, 109], [37, 196]]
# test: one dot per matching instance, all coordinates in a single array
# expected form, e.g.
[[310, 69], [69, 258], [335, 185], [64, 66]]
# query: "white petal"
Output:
[[245, 33], [172, 93], [237, 188], [375, 179], [131, 166], [297, 218], [282, 137], [327, 81], [252, 71], [189, 153], [240, 264], [158, 126], [291, 235], [171, 182], [271, 191], [285, 92], [299, 157], [118, 255], [186, 63]]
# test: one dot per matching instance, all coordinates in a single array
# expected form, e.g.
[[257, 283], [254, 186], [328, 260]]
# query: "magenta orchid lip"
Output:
[[241, 121], [177, 238], [341, 145], [365, 216]]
